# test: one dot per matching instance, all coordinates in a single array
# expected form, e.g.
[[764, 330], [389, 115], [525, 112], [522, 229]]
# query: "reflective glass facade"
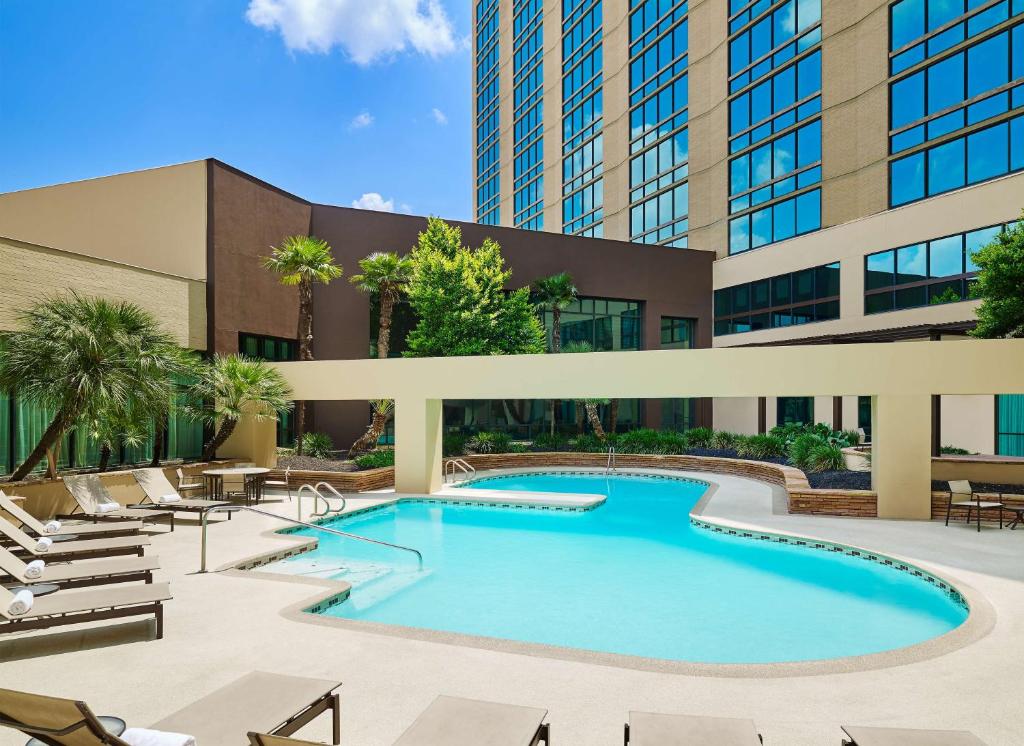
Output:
[[677, 334], [582, 118], [528, 101], [659, 148], [273, 349], [786, 300], [487, 124], [927, 273], [957, 95], [605, 323], [774, 121], [1010, 424]]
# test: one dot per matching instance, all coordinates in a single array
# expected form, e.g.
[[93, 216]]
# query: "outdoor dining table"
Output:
[[253, 476]]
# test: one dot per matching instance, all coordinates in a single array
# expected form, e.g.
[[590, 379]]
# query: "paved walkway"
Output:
[[222, 625]]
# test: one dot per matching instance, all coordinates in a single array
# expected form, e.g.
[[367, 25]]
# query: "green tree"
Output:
[[590, 405], [231, 386], [1000, 285], [556, 292], [386, 275], [301, 261], [81, 357], [459, 295]]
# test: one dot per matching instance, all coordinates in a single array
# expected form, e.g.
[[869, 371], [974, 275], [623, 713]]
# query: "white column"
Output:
[[901, 464], [418, 445]]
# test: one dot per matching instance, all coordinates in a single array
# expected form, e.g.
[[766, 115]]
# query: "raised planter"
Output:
[[343, 481]]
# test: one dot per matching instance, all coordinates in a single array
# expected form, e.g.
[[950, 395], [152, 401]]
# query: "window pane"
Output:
[[986, 65], [878, 303], [908, 100], [943, 11], [803, 285], [723, 303], [946, 257], [827, 281], [911, 264], [784, 220], [880, 270], [761, 231], [988, 153], [759, 294], [946, 83], [977, 239], [907, 22], [946, 167], [912, 297], [808, 211], [906, 179]]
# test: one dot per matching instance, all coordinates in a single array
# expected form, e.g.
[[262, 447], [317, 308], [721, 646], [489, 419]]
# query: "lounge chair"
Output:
[[864, 736], [453, 721], [73, 607], [154, 483], [282, 704], [970, 500], [656, 729], [29, 523], [90, 493], [70, 575], [184, 485], [68, 550]]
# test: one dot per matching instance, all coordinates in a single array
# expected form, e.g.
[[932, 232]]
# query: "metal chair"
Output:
[[971, 501], [285, 483], [186, 486]]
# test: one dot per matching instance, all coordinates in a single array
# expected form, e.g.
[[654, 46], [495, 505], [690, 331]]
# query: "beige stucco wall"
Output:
[[154, 219], [976, 207], [30, 273], [735, 415], [969, 422]]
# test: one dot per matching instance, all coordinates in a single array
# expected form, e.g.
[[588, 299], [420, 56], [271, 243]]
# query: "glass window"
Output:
[[808, 211], [988, 153], [827, 280], [803, 285], [770, 301], [781, 290], [941, 12], [676, 333], [880, 270], [946, 256], [1010, 424], [986, 65], [908, 22], [946, 167], [946, 83], [907, 100], [976, 240], [912, 263], [906, 179]]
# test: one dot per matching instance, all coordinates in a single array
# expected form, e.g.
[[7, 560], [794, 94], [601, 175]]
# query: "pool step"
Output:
[[370, 593]]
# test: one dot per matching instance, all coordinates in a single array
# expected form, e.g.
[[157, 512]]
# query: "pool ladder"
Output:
[[325, 529], [318, 497], [462, 465], [611, 461]]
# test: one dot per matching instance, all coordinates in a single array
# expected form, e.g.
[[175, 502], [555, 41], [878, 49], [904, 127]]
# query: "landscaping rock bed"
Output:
[[308, 463], [861, 480]]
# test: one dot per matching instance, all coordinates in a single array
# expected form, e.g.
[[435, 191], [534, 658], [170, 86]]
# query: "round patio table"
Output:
[[112, 725], [38, 589], [253, 476]]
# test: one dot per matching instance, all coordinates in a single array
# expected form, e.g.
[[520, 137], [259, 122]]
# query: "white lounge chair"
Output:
[[31, 524], [90, 493], [657, 729], [453, 721], [157, 488], [78, 575], [865, 736], [64, 550]]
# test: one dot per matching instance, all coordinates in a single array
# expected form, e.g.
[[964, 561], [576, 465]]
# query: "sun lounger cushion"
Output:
[[453, 721], [657, 729], [867, 736]]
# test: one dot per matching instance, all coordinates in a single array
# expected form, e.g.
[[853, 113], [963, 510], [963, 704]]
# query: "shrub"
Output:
[[454, 444], [826, 457], [588, 443], [376, 459], [954, 451], [852, 438], [724, 441], [517, 446], [761, 446], [642, 440], [799, 450], [489, 442], [550, 441], [700, 437], [672, 442], [317, 445]]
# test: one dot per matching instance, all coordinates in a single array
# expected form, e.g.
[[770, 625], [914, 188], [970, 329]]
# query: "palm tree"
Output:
[[386, 275], [591, 405], [234, 385], [78, 356], [556, 292], [301, 261]]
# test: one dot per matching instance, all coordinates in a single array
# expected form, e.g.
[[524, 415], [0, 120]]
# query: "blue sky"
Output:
[[329, 99]]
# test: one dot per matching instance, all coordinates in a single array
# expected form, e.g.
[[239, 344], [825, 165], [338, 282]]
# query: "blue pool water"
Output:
[[631, 576]]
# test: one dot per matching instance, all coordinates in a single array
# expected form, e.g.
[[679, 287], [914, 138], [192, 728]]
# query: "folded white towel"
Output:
[[165, 499], [44, 544], [107, 507], [52, 527], [21, 603], [146, 737], [34, 570]]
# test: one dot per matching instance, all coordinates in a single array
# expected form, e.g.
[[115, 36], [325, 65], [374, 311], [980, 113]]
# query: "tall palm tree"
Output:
[[302, 261], [591, 405], [556, 292], [232, 386], [386, 275], [79, 356]]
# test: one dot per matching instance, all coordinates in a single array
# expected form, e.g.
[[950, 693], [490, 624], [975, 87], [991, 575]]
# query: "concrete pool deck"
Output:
[[222, 625]]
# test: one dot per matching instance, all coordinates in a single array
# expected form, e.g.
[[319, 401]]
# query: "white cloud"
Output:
[[439, 116], [374, 201], [365, 30], [361, 120]]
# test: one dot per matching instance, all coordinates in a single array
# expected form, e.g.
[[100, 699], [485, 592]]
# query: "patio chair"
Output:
[[453, 721], [285, 483], [184, 485], [95, 501], [657, 729], [282, 704], [67, 550], [864, 736], [967, 498], [29, 523], [74, 607], [71, 575], [154, 483]]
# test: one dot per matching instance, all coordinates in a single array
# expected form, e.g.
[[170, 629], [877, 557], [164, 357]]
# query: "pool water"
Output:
[[631, 576]]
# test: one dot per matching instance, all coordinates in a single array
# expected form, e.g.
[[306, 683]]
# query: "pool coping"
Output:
[[979, 622]]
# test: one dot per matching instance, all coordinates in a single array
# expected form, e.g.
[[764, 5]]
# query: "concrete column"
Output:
[[418, 445], [252, 440], [901, 466]]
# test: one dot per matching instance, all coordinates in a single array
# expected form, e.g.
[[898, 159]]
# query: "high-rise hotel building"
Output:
[[842, 158]]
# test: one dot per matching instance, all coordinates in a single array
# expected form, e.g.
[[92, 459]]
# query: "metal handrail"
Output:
[[611, 460], [316, 496], [344, 500], [466, 467], [336, 532]]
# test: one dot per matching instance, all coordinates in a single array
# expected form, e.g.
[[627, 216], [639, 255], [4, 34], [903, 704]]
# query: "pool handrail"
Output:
[[467, 468], [326, 529], [611, 460], [344, 500], [316, 496]]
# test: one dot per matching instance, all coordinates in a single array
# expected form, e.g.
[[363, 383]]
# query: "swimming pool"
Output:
[[631, 576]]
